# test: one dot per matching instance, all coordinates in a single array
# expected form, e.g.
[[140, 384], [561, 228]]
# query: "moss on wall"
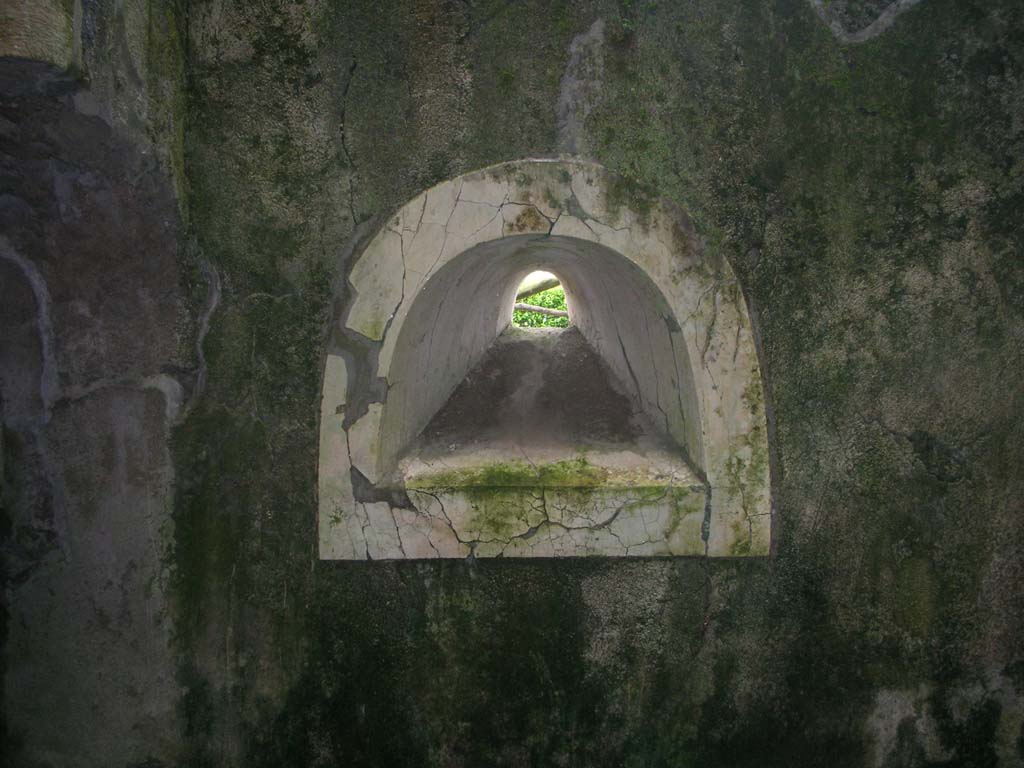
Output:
[[570, 473], [866, 195], [166, 86]]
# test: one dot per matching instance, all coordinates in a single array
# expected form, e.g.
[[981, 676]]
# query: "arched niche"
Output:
[[615, 305], [432, 291]]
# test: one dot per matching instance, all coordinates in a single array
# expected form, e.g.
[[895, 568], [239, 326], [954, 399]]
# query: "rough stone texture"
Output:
[[867, 195], [363, 439], [38, 29], [857, 21], [580, 88], [92, 377]]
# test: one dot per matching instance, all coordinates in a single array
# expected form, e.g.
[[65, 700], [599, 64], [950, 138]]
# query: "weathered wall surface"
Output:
[[864, 192], [866, 188], [95, 368]]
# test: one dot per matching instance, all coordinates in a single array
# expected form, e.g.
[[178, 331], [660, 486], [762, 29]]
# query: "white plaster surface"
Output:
[[364, 441], [37, 29], [336, 504]]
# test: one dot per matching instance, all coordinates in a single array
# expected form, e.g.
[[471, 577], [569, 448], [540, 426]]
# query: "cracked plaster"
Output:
[[669, 318]]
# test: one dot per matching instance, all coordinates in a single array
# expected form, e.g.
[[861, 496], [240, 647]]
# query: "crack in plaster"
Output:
[[550, 510], [401, 297], [53, 395], [344, 141], [709, 334], [444, 240], [700, 343]]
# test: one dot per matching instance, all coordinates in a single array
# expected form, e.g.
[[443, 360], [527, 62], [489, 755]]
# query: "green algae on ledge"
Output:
[[570, 473]]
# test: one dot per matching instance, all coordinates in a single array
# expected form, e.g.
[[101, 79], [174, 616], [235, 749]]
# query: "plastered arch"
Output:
[[472, 236]]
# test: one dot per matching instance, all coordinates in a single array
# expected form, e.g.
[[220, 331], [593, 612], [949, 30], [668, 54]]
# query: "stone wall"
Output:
[[862, 179], [96, 366]]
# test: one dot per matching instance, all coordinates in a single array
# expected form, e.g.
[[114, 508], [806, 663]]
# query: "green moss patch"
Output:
[[571, 473]]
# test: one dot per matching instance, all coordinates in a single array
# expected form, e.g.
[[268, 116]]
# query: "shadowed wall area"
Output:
[[192, 305]]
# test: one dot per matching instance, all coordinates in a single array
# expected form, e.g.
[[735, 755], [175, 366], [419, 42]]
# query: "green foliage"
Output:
[[553, 298]]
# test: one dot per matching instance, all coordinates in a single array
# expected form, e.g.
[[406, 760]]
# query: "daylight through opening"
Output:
[[541, 302]]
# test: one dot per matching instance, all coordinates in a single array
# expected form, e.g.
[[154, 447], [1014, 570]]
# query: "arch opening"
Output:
[[638, 430]]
